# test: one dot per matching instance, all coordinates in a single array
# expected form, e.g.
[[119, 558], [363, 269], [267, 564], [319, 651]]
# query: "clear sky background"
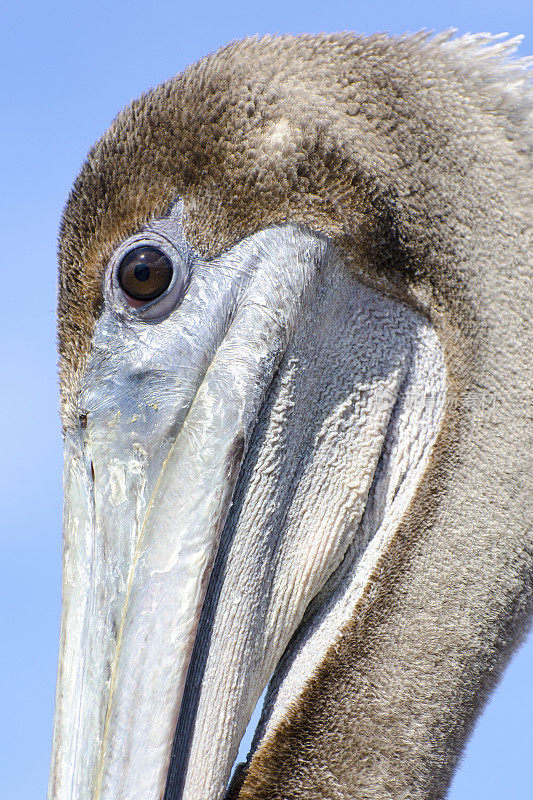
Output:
[[66, 70]]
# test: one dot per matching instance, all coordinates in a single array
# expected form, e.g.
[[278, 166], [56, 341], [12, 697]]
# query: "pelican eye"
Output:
[[144, 274]]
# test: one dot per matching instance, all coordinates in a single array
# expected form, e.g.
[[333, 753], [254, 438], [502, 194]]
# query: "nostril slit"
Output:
[[92, 471]]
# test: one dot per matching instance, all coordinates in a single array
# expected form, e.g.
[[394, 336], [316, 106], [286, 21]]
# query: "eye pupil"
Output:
[[145, 273], [141, 272]]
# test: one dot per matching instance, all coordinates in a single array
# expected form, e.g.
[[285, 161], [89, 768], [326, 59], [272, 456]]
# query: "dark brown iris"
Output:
[[145, 273]]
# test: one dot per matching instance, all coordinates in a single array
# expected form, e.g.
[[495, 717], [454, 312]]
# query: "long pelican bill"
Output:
[[168, 410], [258, 378]]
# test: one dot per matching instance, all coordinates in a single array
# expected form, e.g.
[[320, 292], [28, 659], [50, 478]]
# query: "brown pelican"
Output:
[[295, 342]]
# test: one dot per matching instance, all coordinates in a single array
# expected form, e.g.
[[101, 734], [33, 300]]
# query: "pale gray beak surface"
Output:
[[229, 438]]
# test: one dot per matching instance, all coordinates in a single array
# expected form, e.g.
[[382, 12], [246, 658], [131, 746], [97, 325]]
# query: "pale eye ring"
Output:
[[144, 274]]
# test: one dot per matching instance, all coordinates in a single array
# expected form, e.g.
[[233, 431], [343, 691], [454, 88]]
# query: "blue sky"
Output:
[[67, 69]]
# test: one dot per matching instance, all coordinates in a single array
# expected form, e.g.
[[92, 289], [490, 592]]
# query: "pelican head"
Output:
[[295, 341]]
